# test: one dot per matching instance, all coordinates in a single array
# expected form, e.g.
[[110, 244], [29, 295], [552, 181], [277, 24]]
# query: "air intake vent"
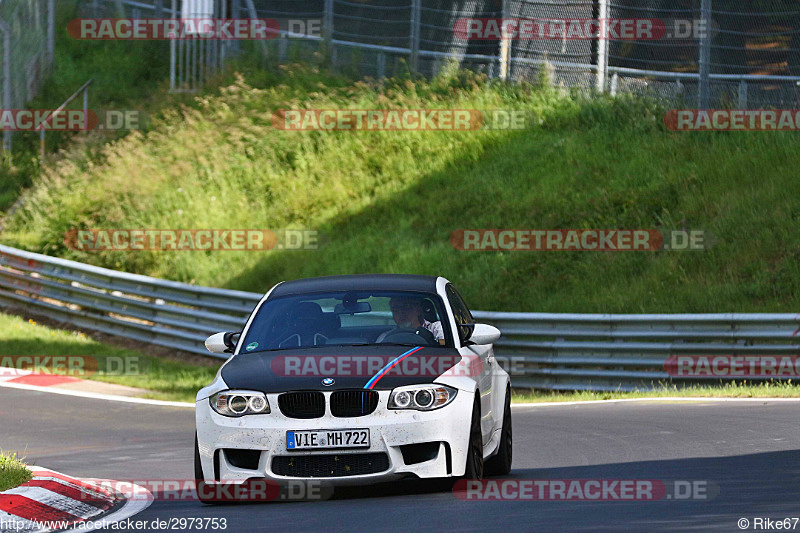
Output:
[[302, 404], [350, 403], [330, 465]]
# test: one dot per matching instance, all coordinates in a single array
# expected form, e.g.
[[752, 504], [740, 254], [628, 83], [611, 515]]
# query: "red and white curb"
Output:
[[54, 502], [26, 380], [26, 377]]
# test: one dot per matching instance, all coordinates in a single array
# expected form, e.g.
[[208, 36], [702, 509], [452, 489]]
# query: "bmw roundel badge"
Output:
[[328, 382]]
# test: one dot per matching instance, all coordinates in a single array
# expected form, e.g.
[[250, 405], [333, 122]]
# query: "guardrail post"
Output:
[[416, 9], [505, 45], [704, 96]]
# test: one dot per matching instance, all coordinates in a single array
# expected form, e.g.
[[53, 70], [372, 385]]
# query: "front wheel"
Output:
[[500, 464], [474, 469]]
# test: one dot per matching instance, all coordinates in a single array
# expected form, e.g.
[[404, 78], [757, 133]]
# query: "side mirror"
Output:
[[484, 334], [222, 342]]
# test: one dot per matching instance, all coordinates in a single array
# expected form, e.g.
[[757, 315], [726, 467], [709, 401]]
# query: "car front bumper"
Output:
[[440, 437]]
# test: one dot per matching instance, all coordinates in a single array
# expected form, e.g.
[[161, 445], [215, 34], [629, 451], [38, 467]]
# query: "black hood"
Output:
[[350, 367]]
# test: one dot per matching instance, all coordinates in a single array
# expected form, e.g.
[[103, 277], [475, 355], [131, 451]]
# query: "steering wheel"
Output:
[[399, 333]]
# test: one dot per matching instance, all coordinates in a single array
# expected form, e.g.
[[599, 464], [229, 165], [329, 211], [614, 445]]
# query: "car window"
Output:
[[348, 318], [460, 312]]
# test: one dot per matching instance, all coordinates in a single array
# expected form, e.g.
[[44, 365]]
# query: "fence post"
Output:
[[172, 51], [416, 8], [283, 48], [743, 94], [602, 46], [51, 34], [86, 110], [705, 56], [236, 8], [329, 26], [222, 43], [505, 45], [6, 79], [381, 65], [251, 8]]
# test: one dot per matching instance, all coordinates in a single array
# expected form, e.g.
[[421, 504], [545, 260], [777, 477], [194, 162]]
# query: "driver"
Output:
[[407, 313]]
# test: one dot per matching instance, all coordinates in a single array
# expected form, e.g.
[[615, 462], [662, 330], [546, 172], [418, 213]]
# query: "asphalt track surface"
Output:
[[749, 450]]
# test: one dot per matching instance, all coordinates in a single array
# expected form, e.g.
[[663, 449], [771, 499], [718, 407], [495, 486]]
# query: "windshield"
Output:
[[348, 319]]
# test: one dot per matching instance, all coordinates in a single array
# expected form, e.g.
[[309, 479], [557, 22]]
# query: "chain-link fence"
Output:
[[26, 51], [712, 53]]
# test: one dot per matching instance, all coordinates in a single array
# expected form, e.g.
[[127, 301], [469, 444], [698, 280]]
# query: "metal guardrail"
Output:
[[541, 350]]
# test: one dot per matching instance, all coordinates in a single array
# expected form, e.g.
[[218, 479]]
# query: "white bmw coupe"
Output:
[[356, 379]]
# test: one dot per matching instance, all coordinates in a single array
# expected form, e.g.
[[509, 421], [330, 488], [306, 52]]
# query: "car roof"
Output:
[[385, 282]]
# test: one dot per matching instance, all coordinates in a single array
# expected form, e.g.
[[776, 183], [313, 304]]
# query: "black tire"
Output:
[[199, 477], [500, 464], [474, 468]]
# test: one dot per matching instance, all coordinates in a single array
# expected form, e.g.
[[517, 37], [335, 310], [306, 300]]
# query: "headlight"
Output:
[[239, 403], [421, 397]]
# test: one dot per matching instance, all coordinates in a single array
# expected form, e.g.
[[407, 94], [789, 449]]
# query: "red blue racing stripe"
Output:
[[385, 370]]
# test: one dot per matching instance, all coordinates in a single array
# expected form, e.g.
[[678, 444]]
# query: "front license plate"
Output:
[[327, 438]]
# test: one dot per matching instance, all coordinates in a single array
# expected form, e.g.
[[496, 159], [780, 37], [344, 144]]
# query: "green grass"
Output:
[[166, 379], [13, 472], [780, 389], [388, 201]]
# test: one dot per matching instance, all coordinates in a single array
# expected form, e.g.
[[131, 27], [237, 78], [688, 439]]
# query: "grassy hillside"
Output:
[[127, 75], [388, 201]]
